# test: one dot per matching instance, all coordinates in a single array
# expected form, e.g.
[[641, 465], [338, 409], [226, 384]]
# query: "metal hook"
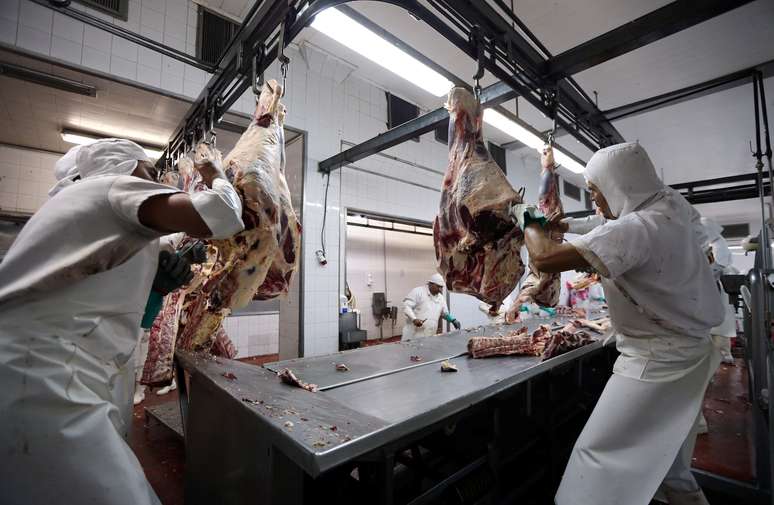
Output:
[[283, 59], [258, 79], [475, 38]]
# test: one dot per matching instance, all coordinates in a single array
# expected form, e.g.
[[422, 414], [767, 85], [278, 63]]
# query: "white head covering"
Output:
[[437, 279], [716, 242], [103, 157], [625, 176]]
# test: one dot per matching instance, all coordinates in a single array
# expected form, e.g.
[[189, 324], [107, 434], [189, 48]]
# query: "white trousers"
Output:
[[638, 436]]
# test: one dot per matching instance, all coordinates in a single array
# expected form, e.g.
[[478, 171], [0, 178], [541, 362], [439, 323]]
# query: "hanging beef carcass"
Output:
[[543, 288], [257, 263], [476, 242]]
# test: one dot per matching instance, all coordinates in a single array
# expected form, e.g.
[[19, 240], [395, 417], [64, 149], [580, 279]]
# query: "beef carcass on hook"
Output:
[[476, 243]]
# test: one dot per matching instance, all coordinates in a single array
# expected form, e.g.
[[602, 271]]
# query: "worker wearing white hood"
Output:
[[720, 258], [73, 289], [663, 302]]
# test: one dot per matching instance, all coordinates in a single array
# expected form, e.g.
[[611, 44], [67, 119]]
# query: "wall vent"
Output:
[[116, 8], [739, 230], [214, 34], [572, 191], [400, 111]]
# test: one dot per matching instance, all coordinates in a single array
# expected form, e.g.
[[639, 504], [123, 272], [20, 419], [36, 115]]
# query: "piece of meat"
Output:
[[542, 342], [259, 262], [564, 341], [564, 310], [287, 376], [517, 342], [543, 288], [600, 325], [476, 242], [223, 345]]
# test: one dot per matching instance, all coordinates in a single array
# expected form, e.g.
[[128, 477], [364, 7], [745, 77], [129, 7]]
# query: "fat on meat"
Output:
[[542, 342], [539, 287], [476, 243]]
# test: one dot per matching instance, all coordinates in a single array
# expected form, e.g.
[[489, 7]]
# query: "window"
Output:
[[116, 8], [740, 230], [572, 191], [498, 154], [400, 111], [213, 35]]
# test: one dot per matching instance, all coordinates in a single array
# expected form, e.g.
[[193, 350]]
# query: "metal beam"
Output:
[[695, 91], [492, 95], [644, 30]]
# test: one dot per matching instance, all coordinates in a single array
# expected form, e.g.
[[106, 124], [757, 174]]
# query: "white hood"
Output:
[[625, 176], [103, 157]]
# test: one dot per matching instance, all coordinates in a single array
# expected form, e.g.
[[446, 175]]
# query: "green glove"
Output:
[[152, 308], [526, 213]]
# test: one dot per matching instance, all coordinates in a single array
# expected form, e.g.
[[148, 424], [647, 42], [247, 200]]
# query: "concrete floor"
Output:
[[725, 450]]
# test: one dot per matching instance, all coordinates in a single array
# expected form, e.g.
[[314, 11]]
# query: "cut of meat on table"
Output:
[[287, 376], [542, 342], [543, 288], [564, 310], [476, 243], [600, 325]]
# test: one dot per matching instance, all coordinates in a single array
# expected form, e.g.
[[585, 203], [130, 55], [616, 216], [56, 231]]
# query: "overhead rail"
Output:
[[476, 28]]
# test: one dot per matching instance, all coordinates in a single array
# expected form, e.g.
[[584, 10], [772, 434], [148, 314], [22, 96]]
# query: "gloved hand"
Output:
[[457, 325], [173, 272], [197, 254], [525, 213]]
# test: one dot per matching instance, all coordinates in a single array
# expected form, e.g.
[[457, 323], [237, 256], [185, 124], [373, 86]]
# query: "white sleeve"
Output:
[[409, 303], [125, 196], [220, 208], [582, 225], [616, 247]]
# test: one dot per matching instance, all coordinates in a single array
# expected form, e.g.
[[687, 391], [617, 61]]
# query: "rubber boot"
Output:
[[139, 394], [167, 389]]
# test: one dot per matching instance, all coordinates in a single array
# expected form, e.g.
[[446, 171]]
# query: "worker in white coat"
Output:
[[424, 307], [720, 258], [663, 302], [73, 289]]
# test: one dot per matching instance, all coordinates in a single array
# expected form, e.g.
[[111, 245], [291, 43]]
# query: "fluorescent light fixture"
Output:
[[80, 138], [46, 79], [512, 128], [531, 139], [360, 39]]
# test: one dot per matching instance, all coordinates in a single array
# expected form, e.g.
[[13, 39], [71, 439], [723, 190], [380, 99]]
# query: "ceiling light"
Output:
[[81, 138], [525, 134], [360, 39], [46, 79]]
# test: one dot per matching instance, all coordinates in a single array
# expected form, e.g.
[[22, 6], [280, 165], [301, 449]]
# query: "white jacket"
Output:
[[420, 304]]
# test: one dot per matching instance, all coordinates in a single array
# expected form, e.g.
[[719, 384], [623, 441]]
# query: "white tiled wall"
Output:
[[25, 178], [253, 335], [35, 28]]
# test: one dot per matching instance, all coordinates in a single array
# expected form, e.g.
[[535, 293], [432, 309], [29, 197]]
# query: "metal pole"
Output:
[[766, 135], [765, 246]]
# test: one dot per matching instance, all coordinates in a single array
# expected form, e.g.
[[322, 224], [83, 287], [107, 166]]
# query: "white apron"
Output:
[[420, 304], [67, 336]]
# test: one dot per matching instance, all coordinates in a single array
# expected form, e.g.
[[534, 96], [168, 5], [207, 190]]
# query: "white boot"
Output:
[[728, 358], [685, 498], [167, 389], [139, 394]]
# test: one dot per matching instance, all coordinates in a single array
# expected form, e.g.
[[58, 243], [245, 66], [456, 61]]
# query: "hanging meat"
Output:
[[257, 263], [476, 242], [543, 288]]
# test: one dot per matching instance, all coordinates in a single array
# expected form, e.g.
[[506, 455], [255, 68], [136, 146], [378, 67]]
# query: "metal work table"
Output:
[[249, 435]]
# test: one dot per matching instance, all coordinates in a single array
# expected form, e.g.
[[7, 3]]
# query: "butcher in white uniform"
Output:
[[720, 259], [73, 289], [423, 307], [663, 302]]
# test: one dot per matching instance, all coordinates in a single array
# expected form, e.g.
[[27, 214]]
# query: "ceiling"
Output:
[[34, 115]]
